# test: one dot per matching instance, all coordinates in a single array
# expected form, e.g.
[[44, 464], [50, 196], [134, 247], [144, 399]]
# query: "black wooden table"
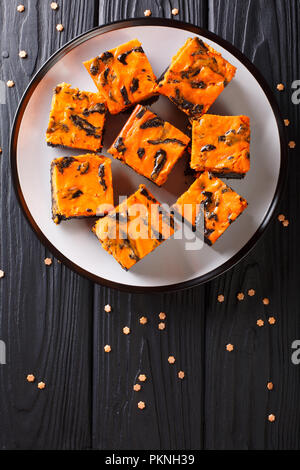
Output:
[[53, 322]]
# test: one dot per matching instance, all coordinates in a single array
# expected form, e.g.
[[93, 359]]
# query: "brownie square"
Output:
[[221, 145], [76, 119], [81, 187], [219, 204], [123, 76], [196, 77], [149, 145], [135, 228]]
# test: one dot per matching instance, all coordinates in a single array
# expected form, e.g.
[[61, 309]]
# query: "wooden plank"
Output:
[[45, 316], [47, 327], [173, 417], [191, 11], [237, 400]]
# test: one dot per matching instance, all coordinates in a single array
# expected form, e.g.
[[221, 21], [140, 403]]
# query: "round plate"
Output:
[[177, 263]]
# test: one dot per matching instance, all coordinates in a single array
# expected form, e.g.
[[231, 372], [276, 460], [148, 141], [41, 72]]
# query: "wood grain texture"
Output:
[[45, 316], [237, 401], [173, 417], [53, 321], [194, 11]]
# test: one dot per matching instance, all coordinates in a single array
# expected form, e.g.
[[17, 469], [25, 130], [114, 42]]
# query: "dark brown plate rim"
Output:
[[126, 24]]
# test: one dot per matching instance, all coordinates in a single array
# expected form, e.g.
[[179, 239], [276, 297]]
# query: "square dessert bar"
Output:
[[221, 145], [196, 77], [149, 145], [76, 119], [81, 187], [123, 76], [135, 228], [220, 204]]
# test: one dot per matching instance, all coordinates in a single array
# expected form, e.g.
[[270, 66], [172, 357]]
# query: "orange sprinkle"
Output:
[[272, 320], [271, 418], [285, 223], [221, 298], [240, 296], [30, 378], [147, 13], [10, 83], [280, 87], [229, 347], [126, 330], [281, 218], [292, 144], [137, 387], [2, 274], [48, 261], [260, 322], [107, 348], [270, 386], [142, 378], [181, 374], [107, 308], [162, 316], [266, 301], [60, 27], [141, 405], [20, 8], [161, 326], [171, 359], [286, 122], [41, 385], [251, 292], [143, 320]]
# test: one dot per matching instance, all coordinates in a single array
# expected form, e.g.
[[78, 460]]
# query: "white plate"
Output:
[[171, 266]]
